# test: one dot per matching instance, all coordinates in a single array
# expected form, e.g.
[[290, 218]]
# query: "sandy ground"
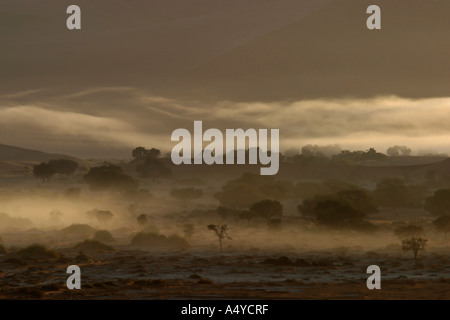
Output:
[[135, 274]]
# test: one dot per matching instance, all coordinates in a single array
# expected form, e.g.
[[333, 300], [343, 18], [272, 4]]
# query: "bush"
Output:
[[358, 199], [79, 230], [395, 193], [336, 215], [110, 177], [439, 203], [104, 236], [92, 246], [414, 245], [37, 251]]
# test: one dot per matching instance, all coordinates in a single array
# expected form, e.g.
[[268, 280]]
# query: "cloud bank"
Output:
[[110, 121]]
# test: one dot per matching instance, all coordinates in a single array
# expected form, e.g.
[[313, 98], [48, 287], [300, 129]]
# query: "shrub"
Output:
[[80, 230], [92, 246], [414, 245], [104, 236], [37, 251]]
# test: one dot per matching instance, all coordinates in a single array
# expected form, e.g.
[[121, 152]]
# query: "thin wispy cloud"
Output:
[[126, 117]]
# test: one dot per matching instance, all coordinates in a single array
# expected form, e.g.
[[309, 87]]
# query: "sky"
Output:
[[140, 69]]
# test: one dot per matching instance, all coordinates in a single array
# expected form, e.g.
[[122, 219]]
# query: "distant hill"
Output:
[[11, 153], [296, 171]]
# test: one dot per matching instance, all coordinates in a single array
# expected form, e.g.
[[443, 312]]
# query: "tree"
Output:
[[442, 224], [350, 157], [408, 231], [64, 166], [43, 171], [110, 177], [359, 199], [268, 209], [337, 215], [439, 203], [397, 151], [61, 166], [141, 153], [395, 193], [153, 168], [354, 197], [221, 232], [104, 236], [414, 245], [185, 194]]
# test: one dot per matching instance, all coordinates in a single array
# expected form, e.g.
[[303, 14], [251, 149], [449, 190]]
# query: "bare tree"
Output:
[[414, 245], [221, 232]]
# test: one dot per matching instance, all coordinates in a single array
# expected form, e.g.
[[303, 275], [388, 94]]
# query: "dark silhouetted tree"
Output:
[[395, 193], [221, 232], [338, 215], [356, 198], [414, 245], [439, 203], [356, 157], [268, 209], [104, 236], [110, 177], [57, 166], [153, 168], [141, 153], [64, 166], [43, 171], [397, 151]]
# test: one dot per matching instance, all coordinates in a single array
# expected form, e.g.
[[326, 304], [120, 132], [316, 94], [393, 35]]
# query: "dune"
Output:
[[12, 153]]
